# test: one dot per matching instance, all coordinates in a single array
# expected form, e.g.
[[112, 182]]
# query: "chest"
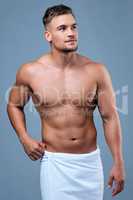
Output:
[[57, 88]]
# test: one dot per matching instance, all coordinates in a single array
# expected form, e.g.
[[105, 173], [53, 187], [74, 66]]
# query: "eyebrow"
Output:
[[64, 25]]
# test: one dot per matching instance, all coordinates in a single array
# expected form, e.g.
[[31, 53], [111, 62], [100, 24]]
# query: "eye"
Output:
[[62, 28], [74, 27]]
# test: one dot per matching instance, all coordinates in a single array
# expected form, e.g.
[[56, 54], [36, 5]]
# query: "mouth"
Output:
[[71, 41]]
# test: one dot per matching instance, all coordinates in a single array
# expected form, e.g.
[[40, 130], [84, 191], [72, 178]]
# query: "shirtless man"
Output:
[[66, 88]]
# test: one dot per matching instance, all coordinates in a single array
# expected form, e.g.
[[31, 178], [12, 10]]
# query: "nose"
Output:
[[70, 32]]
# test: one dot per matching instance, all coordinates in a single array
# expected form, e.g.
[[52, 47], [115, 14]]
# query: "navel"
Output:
[[73, 139]]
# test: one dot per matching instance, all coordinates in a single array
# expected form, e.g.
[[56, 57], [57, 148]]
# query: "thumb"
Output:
[[110, 182], [42, 144]]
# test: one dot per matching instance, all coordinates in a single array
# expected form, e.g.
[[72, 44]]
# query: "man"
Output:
[[66, 88]]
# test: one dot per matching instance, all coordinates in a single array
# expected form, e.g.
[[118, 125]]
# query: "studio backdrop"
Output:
[[105, 35]]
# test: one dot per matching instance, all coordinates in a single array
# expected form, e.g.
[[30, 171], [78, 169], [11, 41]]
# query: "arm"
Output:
[[112, 127], [19, 96]]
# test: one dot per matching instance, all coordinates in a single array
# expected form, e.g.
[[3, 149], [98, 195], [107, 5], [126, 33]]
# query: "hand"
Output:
[[34, 149], [116, 179]]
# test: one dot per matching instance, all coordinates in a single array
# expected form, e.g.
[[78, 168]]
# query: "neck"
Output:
[[63, 59]]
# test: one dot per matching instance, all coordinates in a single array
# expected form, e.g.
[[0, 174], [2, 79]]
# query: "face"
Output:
[[62, 33]]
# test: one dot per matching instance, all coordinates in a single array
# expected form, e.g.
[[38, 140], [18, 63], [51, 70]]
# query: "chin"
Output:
[[70, 49]]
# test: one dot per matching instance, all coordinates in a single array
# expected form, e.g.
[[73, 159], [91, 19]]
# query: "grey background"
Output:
[[105, 35]]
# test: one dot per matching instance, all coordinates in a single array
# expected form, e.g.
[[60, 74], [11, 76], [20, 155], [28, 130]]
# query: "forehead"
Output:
[[66, 19]]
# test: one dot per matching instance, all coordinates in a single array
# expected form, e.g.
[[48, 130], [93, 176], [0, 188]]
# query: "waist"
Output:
[[93, 155]]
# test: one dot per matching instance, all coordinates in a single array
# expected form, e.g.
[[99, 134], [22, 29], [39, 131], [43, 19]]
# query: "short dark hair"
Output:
[[55, 11]]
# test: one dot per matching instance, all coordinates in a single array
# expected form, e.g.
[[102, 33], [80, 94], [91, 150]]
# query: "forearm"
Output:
[[17, 118], [113, 136]]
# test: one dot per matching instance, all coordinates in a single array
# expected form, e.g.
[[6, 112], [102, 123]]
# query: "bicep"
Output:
[[19, 96], [106, 95], [20, 91]]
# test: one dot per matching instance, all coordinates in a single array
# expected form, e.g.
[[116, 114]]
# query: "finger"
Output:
[[36, 153], [39, 150], [122, 184], [110, 182], [36, 156], [117, 188], [32, 157]]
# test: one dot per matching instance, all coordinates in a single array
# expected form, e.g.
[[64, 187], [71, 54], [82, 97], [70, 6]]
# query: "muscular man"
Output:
[[66, 88]]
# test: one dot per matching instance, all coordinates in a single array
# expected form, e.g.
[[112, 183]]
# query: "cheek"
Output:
[[76, 34], [58, 38]]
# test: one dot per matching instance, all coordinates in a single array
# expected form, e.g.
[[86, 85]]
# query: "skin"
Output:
[[66, 88]]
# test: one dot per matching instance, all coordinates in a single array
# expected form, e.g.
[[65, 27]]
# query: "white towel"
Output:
[[70, 176]]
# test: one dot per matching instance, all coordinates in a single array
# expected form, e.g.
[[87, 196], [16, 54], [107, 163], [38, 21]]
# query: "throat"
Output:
[[64, 60]]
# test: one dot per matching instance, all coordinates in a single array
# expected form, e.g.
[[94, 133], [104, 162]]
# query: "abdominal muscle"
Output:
[[68, 130]]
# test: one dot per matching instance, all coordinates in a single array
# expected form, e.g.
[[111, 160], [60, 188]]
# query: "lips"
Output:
[[71, 41]]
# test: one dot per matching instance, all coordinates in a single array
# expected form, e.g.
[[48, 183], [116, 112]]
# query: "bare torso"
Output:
[[66, 99]]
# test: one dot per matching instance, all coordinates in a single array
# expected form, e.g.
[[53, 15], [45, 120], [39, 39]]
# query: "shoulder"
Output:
[[25, 72], [102, 73], [28, 70], [103, 77], [85, 61], [99, 70], [91, 64]]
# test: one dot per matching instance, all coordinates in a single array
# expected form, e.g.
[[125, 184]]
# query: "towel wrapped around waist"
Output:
[[70, 176]]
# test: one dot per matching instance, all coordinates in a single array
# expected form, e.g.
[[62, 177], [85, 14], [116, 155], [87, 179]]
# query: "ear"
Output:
[[48, 36]]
